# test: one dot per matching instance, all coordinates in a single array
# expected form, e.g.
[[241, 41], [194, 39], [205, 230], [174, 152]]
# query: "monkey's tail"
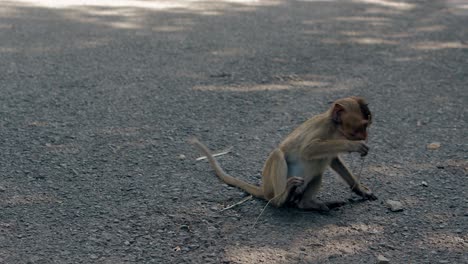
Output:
[[250, 188]]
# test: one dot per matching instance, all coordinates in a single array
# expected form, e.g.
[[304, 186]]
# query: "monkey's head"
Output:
[[352, 117]]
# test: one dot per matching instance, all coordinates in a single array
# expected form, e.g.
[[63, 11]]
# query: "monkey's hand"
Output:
[[296, 183], [364, 192], [360, 147]]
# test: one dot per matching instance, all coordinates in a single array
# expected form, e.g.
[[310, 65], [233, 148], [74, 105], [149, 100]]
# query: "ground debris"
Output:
[[433, 145], [382, 259], [238, 203], [394, 206], [224, 152]]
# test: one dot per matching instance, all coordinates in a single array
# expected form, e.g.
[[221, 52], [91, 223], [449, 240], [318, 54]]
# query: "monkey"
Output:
[[292, 173]]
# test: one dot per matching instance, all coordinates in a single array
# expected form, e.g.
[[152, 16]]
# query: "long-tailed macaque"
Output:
[[292, 174]]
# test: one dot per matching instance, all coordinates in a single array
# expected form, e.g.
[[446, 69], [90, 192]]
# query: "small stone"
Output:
[[181, 156], [424, 183], [2, 189], [433, 146], [93, 256], [302, 248], [394, 206], [127, 242], [458, 231], [212, 229], [382, 260], [194, 246]]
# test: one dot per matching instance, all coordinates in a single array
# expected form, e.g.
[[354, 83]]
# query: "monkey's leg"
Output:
[[309, 199], [338, 166], [276, 184]]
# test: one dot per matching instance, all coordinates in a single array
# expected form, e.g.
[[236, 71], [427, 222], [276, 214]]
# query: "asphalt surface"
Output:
[[97, 102]]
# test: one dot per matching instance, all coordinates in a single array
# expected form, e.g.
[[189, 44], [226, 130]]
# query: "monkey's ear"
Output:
[[336, 113]]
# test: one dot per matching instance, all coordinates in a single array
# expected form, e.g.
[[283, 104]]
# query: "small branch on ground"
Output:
[[238, 203], [216, 154]]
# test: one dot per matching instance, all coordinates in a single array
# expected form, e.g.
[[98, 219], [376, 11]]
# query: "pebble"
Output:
[[182, 157], [424, 183], [2, 189], [433, 146], [382, 260], [394, 206]]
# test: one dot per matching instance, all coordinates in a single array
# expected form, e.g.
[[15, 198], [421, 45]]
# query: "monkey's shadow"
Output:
[[334, 206]]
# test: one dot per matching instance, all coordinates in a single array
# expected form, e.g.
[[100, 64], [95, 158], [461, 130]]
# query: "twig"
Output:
[[238, 203], [216, 155], [258, 217]]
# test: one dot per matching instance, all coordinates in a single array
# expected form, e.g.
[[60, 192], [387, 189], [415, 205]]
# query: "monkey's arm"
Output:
[[331, 148], [338, 166]]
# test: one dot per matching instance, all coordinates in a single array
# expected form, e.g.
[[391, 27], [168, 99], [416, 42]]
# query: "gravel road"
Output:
[[98, 99]]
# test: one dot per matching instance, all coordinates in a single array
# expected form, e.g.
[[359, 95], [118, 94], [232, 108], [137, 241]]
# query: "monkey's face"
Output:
[[353, 117], [354, 127]]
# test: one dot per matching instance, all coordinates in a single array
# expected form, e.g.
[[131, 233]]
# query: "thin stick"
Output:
[[258, 217], [238, 203], [216, 155]]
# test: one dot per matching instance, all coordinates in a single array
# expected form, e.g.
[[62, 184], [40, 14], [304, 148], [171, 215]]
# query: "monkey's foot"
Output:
[[313, 205], [364, 192]]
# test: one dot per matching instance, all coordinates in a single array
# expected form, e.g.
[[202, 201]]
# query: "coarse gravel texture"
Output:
[[97, 102]]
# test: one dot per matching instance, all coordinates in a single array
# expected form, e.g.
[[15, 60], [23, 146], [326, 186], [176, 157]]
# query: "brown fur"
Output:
[[293, 171]]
